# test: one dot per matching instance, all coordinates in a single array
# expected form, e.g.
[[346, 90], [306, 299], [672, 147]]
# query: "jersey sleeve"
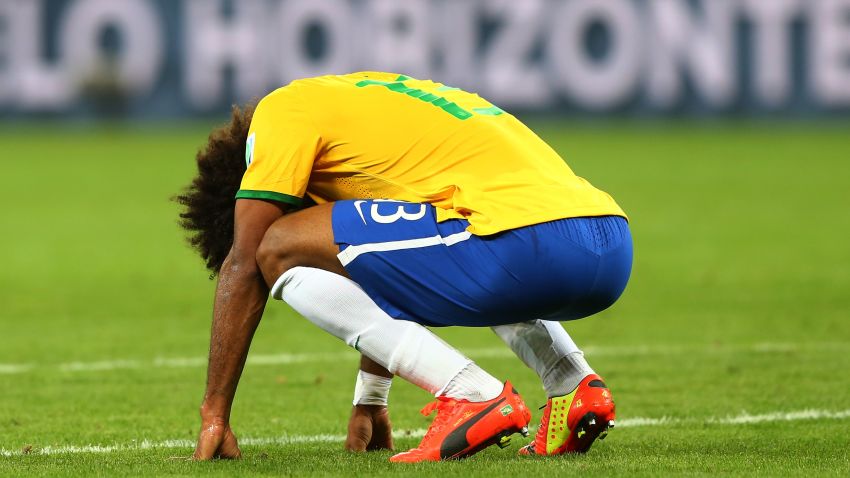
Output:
[[281, 148]]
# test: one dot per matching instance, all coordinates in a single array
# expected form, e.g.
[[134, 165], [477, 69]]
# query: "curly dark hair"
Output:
[[210, 198]]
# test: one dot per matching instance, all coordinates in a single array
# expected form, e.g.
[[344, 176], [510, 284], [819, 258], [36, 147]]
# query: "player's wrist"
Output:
[[371, 389], [213, 410]]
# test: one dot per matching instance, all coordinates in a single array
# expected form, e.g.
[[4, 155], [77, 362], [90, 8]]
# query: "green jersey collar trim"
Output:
[[271, 195]]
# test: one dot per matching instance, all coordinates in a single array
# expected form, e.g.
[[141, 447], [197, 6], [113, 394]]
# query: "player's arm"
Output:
[[240, 298], [369, 426]]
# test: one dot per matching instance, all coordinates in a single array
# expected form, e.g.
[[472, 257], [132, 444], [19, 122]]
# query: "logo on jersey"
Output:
[[249, 150]]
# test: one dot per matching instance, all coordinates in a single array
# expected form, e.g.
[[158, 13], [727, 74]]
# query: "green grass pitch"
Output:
[[729, 352]]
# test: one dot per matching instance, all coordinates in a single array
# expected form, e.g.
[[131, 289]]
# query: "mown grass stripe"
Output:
[[481, 353]]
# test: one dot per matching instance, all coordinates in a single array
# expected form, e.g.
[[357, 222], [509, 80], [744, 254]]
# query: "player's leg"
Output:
[[297, 257], [569, 382], [465, 392], [548, 350], [299, 261], [593, 257], [339, 306]]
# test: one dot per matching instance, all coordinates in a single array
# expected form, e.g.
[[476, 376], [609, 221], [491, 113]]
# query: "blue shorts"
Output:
[[438, 274]]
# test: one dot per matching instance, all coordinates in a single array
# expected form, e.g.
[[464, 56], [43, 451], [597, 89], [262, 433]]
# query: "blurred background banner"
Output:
[[178, 58]]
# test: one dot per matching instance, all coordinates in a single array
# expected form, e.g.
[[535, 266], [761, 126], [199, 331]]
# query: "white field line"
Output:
[[745, 418], [285, 440], [494, 352], [14, 368]]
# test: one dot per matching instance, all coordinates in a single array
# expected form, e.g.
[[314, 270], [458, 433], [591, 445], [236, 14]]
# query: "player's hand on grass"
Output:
[[216, 440], [369, 428]]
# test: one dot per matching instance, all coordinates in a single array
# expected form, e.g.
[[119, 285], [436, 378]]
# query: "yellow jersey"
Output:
[[373, 135]]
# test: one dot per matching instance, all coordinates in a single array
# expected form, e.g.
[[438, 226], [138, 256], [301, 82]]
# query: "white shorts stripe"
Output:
[[353, 252]]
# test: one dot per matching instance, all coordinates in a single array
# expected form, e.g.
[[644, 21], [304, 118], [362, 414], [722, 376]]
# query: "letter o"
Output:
[[140, 57], [596, 85]]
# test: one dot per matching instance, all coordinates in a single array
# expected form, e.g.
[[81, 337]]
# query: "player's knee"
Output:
[[275, 255]]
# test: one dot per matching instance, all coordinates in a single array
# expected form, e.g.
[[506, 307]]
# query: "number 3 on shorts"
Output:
[[400, 213]]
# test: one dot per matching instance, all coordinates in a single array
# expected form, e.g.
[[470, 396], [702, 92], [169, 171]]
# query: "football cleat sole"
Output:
[[589, 428], [502, 440]]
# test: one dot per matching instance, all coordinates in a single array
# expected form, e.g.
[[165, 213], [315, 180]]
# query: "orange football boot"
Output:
[[573, 421], [463, 428]]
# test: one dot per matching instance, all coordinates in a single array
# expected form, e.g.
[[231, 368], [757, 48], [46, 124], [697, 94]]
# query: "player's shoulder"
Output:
[[327, 83], [331, 91], [303, 87], [318, 90], [286, 104], [284, 100]]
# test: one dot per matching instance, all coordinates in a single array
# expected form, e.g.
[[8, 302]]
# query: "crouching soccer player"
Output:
[[429, 206]]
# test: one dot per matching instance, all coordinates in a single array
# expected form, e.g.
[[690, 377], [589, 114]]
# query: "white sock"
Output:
[[548, 350], [473, 384], [371, 389], [339, 306]]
